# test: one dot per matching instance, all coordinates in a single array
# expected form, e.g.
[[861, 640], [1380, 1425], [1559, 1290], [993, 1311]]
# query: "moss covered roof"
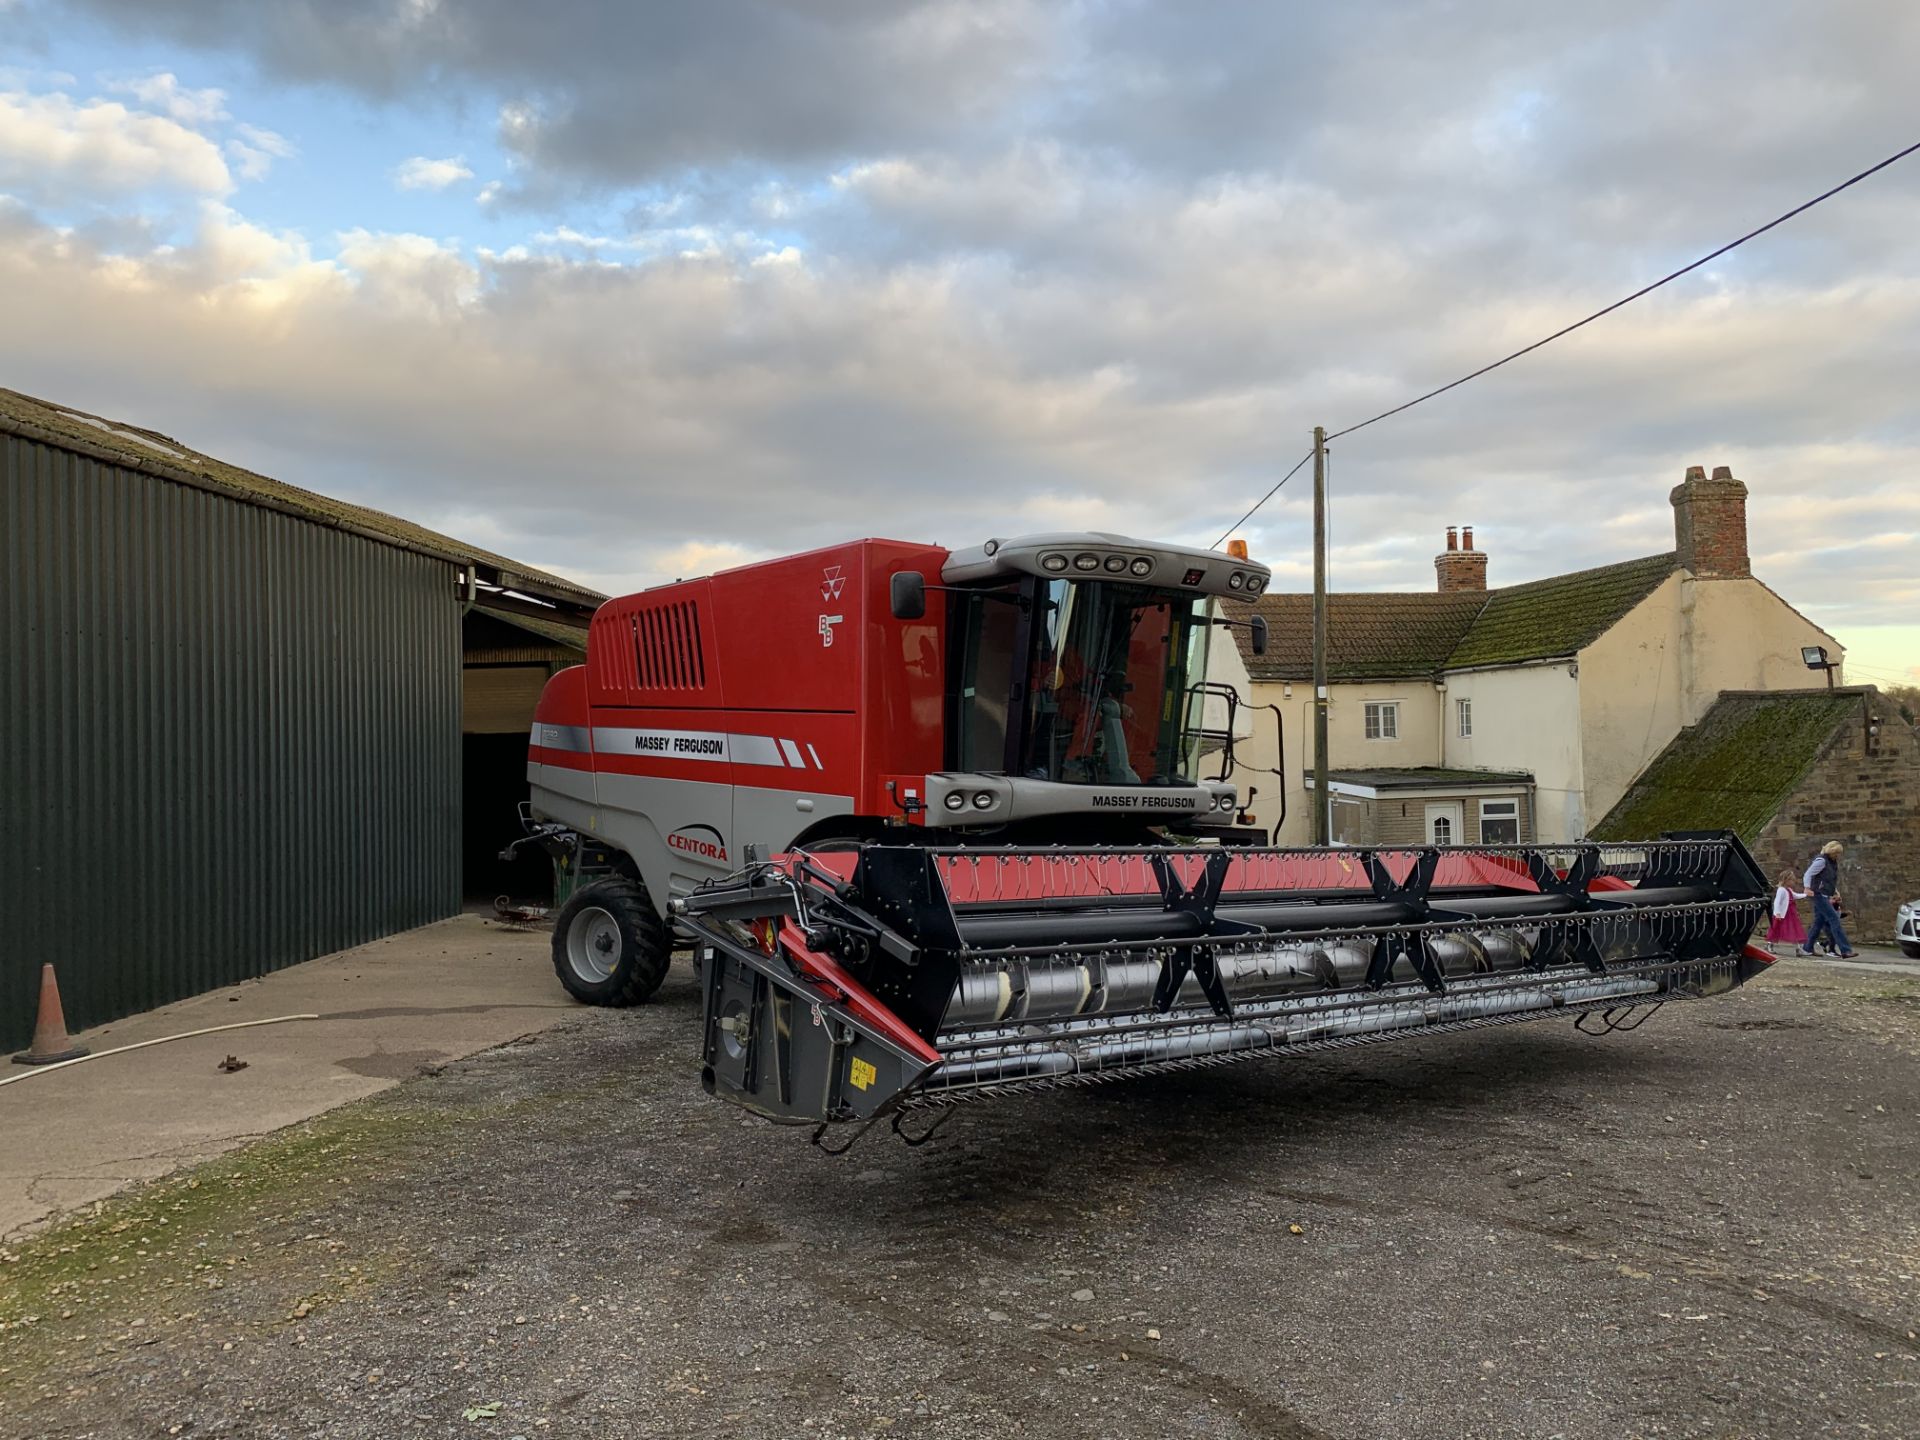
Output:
[[1734, 769], [161, 455], [1392, 635], [1560, 615], [1369, 637]]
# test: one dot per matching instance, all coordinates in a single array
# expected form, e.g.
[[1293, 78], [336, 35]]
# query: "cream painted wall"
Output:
[[1667, 660], [1525, 717], [1750, 639], [1347, 745], [1584, 729]]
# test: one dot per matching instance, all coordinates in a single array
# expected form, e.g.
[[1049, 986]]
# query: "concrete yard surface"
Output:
[[388, 1010], [1707, 1227]]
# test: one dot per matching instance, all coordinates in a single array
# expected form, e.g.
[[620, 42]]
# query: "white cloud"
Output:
[[52, 147], [266, 140], [420, 173], [567, 235], [254, 150], [164, 92], [1041, 266]]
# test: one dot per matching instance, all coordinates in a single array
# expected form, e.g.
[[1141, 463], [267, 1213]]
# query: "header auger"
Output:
[[939, 827]]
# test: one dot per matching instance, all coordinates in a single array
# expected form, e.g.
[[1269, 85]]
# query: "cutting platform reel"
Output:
[[845, 984]]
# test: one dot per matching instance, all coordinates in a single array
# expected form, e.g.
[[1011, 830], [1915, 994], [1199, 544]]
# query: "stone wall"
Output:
[[1864, 792]]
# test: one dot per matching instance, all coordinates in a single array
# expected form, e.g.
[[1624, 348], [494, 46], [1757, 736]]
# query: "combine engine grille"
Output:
[[847, 984]]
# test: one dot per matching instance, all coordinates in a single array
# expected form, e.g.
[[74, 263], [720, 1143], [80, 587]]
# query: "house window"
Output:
[[1463, 710], [1499, 822], [1442, 830], [1383, 720]]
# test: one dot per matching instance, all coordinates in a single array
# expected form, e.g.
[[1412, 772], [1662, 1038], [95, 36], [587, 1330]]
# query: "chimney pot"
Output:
[[1723, 472], [1460, 567], [1696, 472], [1466, 537]]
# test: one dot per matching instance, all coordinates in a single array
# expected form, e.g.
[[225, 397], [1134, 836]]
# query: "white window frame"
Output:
[[1508, 809], [1380, 719], [1463, 716]]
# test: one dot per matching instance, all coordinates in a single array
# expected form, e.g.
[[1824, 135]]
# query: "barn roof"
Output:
[[135, 448]]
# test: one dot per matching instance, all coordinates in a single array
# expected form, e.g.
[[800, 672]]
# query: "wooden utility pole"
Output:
[[1321, 809]]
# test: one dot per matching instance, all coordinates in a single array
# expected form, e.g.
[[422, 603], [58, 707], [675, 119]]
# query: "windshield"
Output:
[[1090, 683]]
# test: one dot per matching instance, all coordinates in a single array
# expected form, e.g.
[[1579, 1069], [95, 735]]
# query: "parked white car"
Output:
[[1906, 928]]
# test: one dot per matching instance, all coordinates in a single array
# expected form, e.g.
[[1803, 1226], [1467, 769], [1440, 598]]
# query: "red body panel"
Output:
[[798, 663], [561, 711]]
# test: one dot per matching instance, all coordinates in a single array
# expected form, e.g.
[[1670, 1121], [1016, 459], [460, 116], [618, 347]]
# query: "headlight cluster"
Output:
[[1248, 581], [979, 799], [1057, 562], [1223, 801]]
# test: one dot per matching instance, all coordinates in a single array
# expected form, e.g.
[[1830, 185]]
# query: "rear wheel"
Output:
[[609, 945]]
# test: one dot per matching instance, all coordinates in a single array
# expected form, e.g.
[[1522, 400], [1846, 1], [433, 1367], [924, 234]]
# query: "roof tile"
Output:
[[1392, 635]]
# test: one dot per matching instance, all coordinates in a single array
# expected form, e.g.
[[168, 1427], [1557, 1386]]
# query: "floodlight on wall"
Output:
[[1814, 657]]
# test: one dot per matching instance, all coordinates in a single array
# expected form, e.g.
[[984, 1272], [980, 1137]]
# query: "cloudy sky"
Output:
[[632, 291]]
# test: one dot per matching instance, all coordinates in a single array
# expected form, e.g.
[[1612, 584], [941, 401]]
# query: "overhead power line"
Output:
[[1263, 500], [1778, 220]]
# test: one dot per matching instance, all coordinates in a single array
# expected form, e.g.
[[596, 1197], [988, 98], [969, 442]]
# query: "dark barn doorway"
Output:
[[507, 661]]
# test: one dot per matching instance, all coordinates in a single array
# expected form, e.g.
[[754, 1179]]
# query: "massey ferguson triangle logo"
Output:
[[701, 840], [833, 582]]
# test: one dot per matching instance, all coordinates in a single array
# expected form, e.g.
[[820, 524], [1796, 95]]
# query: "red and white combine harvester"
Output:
[[936, 827]]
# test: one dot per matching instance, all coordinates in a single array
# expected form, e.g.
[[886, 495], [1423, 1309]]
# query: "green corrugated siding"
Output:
[[231, 738]]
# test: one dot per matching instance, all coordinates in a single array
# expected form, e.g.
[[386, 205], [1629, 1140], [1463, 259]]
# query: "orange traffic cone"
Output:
[[51, 1043]]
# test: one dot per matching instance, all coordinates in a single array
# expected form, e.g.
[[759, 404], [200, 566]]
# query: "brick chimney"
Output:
[[1460, 566], [1710, 524]]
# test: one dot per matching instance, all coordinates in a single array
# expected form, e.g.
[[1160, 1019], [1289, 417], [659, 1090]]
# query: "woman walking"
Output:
[[1823, 880], [1785, 924]]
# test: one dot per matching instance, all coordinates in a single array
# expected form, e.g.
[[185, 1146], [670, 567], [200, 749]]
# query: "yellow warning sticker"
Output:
[[862, 1074]]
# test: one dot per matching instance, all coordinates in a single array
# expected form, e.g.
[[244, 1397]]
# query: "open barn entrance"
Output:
[[507, 659]]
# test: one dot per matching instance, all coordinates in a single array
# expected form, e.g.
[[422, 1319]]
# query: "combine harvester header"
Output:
[[854, 983], [944, 825]]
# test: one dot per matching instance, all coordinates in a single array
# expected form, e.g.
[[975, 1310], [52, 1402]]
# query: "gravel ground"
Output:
[[1707, 1227]]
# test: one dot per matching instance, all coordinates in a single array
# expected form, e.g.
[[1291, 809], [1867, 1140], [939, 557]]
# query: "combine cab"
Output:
[[937, 827]]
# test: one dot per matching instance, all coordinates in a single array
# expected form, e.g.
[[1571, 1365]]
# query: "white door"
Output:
[[1443, 822]]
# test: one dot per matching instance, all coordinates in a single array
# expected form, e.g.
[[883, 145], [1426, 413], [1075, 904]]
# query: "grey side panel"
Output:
[[229, 738], [680, 833], [773, 817], [1018, 798]]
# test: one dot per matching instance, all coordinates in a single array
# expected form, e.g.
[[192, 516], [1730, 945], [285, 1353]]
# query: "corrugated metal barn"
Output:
[[244, 724]]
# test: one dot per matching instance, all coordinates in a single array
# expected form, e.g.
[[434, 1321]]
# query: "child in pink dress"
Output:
[[1785, 924]]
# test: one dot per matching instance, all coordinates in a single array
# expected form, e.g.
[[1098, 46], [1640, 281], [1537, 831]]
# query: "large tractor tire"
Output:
[[609, 945]]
